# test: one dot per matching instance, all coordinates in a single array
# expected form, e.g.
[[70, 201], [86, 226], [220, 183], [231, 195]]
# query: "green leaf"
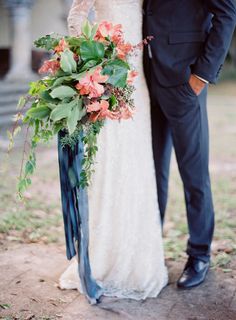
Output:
[[94, 31], [36, 87], [21, 103], [118, 72], [47, 42], [88, 65], [86, 29], [29, 168], [61, 73], [22, 185], [62, 92], [79, 76], [58, 81], [5, 306], [67, 62], [16, 131], [40, 112], [45, 95], [92, 50], [57, 127], [62, 111], [52, 106], [74, 41], [76, 114], [113, 101]]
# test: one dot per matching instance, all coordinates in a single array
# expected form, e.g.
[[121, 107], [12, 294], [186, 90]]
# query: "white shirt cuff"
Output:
[[201, 78]]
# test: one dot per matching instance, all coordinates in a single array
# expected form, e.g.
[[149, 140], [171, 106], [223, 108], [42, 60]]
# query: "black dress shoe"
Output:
[[194, 273]]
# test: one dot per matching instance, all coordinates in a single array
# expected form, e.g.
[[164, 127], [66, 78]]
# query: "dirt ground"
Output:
[[29, 277], [32, 251]]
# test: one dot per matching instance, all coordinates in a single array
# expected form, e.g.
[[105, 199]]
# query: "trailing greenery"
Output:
[[87, 81]]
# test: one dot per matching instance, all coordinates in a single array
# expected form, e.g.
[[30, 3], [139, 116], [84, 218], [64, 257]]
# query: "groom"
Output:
[[191, 40]]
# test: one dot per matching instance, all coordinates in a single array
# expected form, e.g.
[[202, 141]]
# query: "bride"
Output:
[[118, 228]]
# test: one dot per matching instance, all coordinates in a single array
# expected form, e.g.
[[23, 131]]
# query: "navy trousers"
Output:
[[179, 118]]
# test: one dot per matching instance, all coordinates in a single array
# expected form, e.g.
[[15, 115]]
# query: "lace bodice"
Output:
[[112, 10], [78, 13]]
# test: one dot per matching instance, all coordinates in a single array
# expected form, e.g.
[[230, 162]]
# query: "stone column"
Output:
[[21, 49]]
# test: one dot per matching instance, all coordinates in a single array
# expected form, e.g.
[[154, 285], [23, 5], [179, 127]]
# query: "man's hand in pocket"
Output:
[[196, 84]]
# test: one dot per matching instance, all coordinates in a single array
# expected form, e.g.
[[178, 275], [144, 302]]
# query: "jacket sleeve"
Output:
[[217, 44], [78, 13]]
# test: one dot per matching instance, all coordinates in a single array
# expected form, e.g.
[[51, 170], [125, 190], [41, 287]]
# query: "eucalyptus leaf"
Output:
[[60, 112], [67, 62], [40, 112], [94, 31], [77, 113], [63, 110], [62, 92], [60, 80], [86, 29]]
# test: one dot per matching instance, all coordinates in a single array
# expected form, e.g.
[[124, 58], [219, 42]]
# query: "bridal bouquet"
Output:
[[88, 80]]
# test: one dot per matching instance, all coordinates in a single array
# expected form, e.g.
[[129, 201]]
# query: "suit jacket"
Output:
[[190, 36]]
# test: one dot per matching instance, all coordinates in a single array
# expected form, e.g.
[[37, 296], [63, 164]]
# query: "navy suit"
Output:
[[190, 37]]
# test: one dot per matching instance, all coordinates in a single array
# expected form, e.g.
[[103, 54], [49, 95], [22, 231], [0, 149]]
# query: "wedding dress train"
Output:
[[125, 248]]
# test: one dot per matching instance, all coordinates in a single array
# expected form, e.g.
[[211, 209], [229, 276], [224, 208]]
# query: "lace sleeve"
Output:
[[78, 13]]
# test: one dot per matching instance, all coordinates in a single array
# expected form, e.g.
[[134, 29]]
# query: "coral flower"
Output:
[[107, 29], [126, 112], [104, 30], [61, 46], [103, 105], [131, 76], [99, 110], [123, 49], [117, 34], [91, 84], [50, 66]]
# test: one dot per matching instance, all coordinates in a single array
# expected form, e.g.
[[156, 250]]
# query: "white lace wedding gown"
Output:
[[125, 238]]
